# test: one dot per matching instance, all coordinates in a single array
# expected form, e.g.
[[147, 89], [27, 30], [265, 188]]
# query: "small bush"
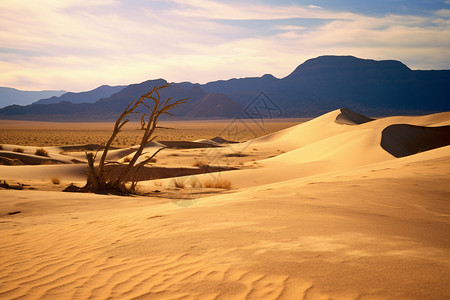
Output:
[[18, 150], [55, 180], [196, 185], [41, 152], [200, 163], [218, 183], [179, 184]]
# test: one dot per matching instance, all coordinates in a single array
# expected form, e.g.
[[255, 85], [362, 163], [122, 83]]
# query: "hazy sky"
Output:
[[79, 44]]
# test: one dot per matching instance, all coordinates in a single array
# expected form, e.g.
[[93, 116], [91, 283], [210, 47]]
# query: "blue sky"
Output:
[[79, 44]]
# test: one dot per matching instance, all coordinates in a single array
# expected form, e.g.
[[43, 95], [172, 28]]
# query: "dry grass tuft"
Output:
[[196, 184], [41, 152], [200, 163], [218, 183], [179, 184], [18, 150], [55, 180]]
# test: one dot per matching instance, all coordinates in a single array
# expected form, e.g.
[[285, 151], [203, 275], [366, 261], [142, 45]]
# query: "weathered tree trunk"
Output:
[[92, 180], [97, 178]]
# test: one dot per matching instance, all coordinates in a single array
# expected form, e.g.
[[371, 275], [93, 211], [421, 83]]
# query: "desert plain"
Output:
[[342, 206]]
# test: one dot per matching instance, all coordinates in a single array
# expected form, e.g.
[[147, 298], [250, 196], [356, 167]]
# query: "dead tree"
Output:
[[154, 107]]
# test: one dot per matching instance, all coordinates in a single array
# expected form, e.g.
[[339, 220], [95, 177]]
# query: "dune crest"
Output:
[[349, 117]]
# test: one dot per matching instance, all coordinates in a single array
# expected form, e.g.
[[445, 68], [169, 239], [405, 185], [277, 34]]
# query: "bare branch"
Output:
[[97, 179], [147, 160]]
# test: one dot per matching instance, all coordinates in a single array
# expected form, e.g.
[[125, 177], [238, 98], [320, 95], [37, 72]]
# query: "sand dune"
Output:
[[321, 210], [29, 159], [73, 172], [403, 139], [349, 117]]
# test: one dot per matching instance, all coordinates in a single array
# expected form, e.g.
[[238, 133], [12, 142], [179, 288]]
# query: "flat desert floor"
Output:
[[32, 133], [338, 207]]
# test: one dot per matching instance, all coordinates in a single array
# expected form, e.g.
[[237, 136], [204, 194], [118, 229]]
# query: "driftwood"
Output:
[[155, 107]]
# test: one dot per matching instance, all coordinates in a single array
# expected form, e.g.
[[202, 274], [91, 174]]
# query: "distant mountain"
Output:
[[10, 96], [330, 82], [107, 109], [367, 86], [242, 90], [317, 86], [92, 96], [214, 105]]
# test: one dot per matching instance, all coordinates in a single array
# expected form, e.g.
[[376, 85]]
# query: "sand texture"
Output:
[[339, 207]]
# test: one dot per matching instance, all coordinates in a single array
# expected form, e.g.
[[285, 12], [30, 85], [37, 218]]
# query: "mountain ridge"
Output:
[[13, 96], [316, 86], [91, 96]]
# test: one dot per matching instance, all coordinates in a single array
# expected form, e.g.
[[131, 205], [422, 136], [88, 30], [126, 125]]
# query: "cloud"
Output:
[[77, 45], [291, 27], [443, 13], [245, 10]]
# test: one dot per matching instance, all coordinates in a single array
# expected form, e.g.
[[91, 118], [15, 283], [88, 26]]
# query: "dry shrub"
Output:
[[218, 183], [179, 184], [200, 163], [41, 152], [196, 184], [55, 180], [18, 150]]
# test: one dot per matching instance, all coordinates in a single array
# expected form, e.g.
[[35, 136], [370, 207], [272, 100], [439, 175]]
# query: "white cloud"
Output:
[[443, 13], [244, 11], [77, 45], [291, 27]]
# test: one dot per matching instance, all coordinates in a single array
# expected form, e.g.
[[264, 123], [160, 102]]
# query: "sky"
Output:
[[77, 45]]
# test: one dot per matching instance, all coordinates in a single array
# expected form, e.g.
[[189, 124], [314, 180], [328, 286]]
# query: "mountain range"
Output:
[[317, 86], [10, 96], [83, 97]]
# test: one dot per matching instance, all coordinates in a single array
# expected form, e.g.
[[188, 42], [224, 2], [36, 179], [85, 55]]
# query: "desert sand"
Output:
[[33, 133], [339, 207]]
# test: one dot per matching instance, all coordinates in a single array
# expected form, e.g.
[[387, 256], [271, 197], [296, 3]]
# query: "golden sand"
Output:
[[315, 211], [56, 134]]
